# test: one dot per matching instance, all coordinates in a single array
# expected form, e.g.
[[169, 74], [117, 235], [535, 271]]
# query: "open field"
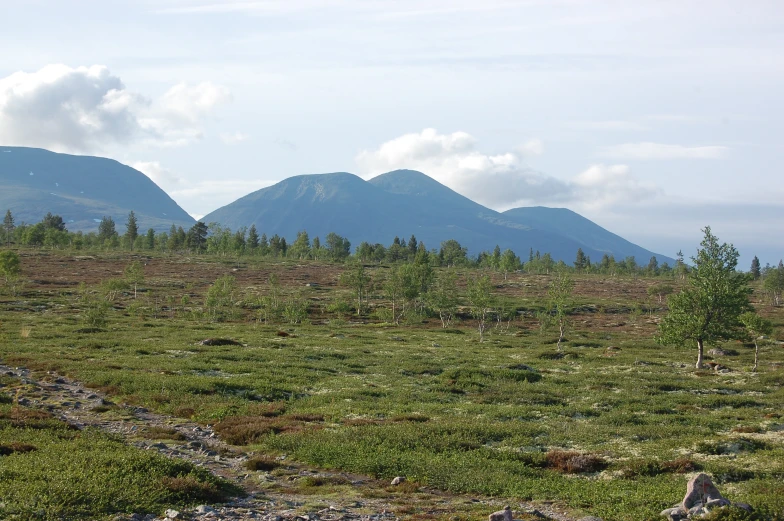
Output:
[[612, 426]]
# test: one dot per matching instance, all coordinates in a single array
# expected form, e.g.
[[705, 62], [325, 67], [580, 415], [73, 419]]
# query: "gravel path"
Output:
[[270, 496]]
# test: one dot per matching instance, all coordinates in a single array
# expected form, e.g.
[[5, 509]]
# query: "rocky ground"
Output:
[[271, 496]]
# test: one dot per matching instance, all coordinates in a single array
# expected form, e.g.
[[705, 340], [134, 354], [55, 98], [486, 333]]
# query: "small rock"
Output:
[[696, 509], [398, 480], [501, 515], [172, 514], [718, 502], [674, 514], [744, 506], [204, 509], [436, 345]]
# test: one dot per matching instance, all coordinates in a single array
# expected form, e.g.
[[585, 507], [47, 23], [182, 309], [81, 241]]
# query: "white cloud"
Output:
[[63, 108], [534, 147], [86, 108], [234, 138], [499, 180], [659, 151], [607, 185], [191, 104], [453, 160]]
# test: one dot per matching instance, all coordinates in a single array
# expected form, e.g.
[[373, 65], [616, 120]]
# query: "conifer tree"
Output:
[[8, 226], [253, 237], [131, 229], [755, 268]]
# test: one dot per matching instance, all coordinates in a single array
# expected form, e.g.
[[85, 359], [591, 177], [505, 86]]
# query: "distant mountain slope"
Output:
[[399, 203], [82, 189], [569, 224]]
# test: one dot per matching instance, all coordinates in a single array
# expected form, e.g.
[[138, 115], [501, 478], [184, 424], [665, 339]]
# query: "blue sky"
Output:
[[652, 118]]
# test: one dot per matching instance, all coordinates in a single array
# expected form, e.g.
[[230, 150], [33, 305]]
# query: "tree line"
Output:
[[215, 239]]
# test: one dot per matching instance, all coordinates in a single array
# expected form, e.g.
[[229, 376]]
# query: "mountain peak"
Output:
[[407, 182]]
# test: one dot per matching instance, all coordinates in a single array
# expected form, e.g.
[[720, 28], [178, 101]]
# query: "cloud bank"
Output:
[[86, 108], [502, 180]]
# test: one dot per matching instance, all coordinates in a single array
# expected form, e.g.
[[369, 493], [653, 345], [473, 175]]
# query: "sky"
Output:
[[654, 119]]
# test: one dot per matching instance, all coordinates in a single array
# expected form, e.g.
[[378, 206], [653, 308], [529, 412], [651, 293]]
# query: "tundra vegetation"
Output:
[[376, 367]]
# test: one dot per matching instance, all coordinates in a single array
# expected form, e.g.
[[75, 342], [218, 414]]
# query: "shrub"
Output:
[[94, 314], [161, 433], [245, 430], [9, 448], [572, 462], [263, 463], [189, 488]]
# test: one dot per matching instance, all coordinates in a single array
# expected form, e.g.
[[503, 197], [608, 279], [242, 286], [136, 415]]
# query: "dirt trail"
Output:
[[270, 496]]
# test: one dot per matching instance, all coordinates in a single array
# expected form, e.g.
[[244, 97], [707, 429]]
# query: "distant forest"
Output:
[[213, 239]]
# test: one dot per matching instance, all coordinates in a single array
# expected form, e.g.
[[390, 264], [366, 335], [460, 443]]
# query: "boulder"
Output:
[[398, 480], [699, 491], [501, 515]]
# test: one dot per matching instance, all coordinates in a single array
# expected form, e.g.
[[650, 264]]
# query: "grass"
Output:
[[50, 471], [612, 428]]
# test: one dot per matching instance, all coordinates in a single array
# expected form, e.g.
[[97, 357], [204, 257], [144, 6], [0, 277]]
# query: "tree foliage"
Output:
[[54, 222], [358, 280], [755, 268], [9, 264], [560, 295], [338, 248], [756, 327], [131, 229], [481, 298], [773, 283], [134, 275], [106, 229], [8, 226], [443, 297], [709, 307], [197, 236]]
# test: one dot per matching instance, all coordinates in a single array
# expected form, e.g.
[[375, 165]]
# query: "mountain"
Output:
[[82, 189], [569, 224], [406, 202]]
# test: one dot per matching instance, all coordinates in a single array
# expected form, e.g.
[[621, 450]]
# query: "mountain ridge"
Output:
[[82, 189], [414, 203]]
